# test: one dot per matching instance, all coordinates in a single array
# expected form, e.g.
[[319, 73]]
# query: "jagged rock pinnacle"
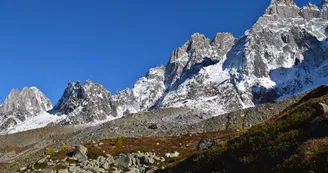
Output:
[[196, 41], [222, 38], [324, 9], [283, 8], [286, 2]]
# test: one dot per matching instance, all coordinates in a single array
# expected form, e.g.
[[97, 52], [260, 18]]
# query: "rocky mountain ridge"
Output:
[[284, 53]]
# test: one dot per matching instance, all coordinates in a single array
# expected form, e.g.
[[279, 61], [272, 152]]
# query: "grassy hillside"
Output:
[[294, 141]]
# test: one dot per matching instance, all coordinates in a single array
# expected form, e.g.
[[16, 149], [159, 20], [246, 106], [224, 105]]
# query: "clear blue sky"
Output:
[[112, 42]]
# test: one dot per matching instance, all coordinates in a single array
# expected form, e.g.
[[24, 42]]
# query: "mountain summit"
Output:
[[22, 105], [85, 103]]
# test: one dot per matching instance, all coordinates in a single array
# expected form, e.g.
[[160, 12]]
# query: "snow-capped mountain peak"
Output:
[[84, 103], [29, 99], [20, 106]]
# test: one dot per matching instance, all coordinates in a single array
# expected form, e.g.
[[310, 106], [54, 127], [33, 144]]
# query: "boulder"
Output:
[[153, 126], [101, 160], [63, 171], [105, 165], [147, 160], [133, 170], [46, 171], [172, 155], [80, 153], [168, 155], [308, 171], [321, 108], [43, 160], [175, 154], [151, 169], [110, 159], [23, 169], [125, 161], [324, 108], [205, 144]]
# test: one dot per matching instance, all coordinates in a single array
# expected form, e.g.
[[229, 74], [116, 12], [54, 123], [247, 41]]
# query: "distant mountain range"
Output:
[[284, 53]]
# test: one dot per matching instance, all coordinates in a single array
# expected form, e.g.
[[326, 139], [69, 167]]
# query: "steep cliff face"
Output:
[[285, 49], [143, 95]]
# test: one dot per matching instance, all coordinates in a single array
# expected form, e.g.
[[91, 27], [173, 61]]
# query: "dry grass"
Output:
[[16, 149], [185, 145]]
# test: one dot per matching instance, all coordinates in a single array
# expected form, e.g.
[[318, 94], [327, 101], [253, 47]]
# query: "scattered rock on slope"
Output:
[[205, 144]]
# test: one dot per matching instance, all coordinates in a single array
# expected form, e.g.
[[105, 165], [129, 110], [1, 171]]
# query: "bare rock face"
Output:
[[310, 11], [283, 8], [20, 106], [324, 9], [31, 100], [84, 103], [286, 2], [146, 92]]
